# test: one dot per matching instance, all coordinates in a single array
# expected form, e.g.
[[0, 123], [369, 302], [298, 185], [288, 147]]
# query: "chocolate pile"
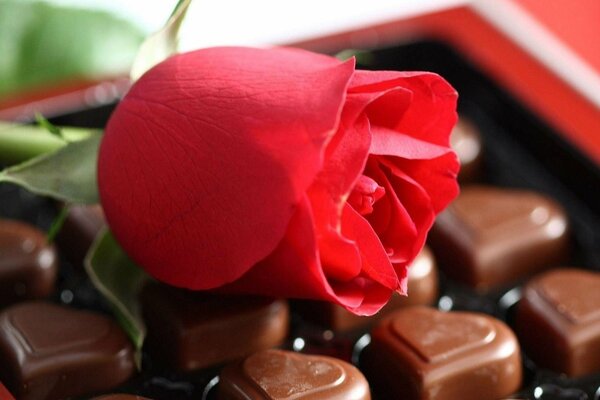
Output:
[[504, 300]]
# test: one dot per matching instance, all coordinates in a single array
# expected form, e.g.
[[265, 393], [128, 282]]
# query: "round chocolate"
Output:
[[466, 142], [28, 264]]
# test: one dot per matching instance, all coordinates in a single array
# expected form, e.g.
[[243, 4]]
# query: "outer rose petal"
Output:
[[432, 111], [191, 153], [294, 270]]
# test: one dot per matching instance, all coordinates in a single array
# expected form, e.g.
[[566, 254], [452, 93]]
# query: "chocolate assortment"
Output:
[[519, 252]]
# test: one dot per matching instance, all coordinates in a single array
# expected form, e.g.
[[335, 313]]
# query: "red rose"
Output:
[[279, 172]]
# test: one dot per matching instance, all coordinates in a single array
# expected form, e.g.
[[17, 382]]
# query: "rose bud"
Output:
[[279, 172]]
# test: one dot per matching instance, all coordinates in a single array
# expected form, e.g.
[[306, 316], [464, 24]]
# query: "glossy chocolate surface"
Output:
[[279, 375], [420, 353], [206, 330], [491, 237], [28, 264], [53, 352], [79, 231], [422, 290], [466, 142], [558, 321]]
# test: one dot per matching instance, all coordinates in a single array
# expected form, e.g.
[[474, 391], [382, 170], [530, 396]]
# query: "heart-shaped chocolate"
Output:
[[492, 213], [287, 376], [563, 288], [437, 336], [57, 336]]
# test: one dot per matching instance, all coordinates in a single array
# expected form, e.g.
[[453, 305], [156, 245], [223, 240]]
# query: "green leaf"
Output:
[[58, 223], [363, 57], [119, 280], [19, 143], [45, 44], [160, 45], [67, 174], [47, 125]]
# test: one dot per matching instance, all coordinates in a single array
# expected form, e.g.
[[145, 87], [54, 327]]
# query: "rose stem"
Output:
[[21, 142]]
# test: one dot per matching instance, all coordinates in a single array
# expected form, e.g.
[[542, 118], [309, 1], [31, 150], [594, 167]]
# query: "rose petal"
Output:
[[437, 177], [417, 203], [294, 270], [386, 141], [343, 166], [432, 111], [390, 219], [375, 261], [191, 151]]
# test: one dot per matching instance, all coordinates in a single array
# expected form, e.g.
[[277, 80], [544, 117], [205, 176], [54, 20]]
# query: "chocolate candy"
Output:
[[52, 352], [120, 397], [28, 264], [422, 290], [466, 142], [276, 374], [558, 321], [189, 330], [420, 353], [491, 237], [79, 231]]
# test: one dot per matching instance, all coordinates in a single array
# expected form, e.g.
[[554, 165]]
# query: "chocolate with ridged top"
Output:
[[190, 330], [54, 352], [422, 290], [558, 321], [491, 237], [28, 264], [420, 353], [284, 375]]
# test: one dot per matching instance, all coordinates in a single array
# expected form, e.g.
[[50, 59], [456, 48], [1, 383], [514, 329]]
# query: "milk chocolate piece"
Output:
[[208, 329], [79, 231], [53, 352], [466, 142], [279, 375], [420, 353], [28, 264], [558, 321], [422, 290], [491, 237]]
